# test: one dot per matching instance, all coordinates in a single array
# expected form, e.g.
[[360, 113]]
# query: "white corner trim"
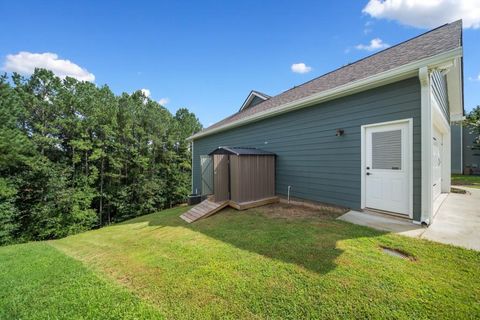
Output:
[[363, 130], [393, 75], [426, 143], [363, 165], [410, 133]]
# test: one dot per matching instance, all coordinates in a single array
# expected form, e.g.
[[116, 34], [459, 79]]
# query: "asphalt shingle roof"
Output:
[[429, 44]]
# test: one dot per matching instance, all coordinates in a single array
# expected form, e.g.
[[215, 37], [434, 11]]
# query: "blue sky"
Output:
[[208, 55]]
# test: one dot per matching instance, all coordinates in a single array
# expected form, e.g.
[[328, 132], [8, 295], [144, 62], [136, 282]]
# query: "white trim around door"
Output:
[[405, 171]]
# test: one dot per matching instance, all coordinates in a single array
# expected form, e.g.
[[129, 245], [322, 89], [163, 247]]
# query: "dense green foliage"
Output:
[[74, 156]]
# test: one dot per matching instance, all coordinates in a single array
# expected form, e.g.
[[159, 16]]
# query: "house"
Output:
[[457, 147], [374, 134], [465, 150]]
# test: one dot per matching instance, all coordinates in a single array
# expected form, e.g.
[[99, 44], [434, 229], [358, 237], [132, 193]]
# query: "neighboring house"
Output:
[[465, 150], [457, 148], [373, 134]]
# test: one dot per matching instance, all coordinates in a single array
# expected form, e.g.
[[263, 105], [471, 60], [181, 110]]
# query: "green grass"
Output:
[[39, 282], [235, 265], [469, 181]]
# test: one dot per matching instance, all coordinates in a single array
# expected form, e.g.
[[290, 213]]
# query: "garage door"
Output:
[[437, 163]]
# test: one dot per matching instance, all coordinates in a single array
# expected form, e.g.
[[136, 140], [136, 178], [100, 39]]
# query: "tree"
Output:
[[472, 122], [74, 156]]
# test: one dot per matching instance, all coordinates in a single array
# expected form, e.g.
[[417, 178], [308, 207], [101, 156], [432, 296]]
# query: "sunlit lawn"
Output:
[[469, 181], [259, 263]]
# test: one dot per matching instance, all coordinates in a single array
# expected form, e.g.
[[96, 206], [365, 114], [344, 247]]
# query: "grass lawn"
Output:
[[260, 263], [469, 181], [39, 282]]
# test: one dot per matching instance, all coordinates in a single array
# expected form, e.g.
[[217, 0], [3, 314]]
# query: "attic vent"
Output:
[[387, 150]]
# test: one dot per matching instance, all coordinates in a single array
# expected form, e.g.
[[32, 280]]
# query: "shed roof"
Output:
[[239, 151], [429, 44]]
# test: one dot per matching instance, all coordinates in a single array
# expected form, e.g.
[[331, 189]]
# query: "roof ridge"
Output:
[[369, 56], [259, 92], [427, 44]]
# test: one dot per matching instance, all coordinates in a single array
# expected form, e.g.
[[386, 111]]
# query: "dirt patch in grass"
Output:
[[290, 211], [458, 190], [397, 253]]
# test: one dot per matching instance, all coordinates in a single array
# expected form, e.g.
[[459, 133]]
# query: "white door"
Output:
[[387, 169], [437, 149]]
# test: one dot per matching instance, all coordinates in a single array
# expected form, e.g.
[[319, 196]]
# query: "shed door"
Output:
[[221, 176], [207, 174], [387, 168]]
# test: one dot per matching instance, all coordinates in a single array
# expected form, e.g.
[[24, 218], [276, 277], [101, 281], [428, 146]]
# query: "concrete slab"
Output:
[[457, 221], [383, 223]]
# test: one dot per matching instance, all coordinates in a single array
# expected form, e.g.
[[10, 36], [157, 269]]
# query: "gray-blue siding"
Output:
[[471, 155], [439, 90], [317, 164]]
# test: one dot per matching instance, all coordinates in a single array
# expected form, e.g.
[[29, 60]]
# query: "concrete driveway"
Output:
[[457, 221]]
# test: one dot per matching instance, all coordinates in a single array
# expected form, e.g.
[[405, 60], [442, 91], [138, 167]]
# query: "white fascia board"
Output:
[[454, 87], [260, 95], [393, 75], [250, 98]]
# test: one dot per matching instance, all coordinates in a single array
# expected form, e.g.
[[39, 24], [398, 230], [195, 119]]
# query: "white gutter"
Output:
[[396, 74]]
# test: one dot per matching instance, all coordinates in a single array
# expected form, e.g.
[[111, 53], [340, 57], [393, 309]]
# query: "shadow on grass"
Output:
[[308, 241]]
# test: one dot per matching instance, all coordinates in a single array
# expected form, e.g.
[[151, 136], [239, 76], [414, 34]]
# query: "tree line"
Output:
[[75, 156]]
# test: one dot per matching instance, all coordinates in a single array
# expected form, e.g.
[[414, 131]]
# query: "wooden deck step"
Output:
[[202, 210]]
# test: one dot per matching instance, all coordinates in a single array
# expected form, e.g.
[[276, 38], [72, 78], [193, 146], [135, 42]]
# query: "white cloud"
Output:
[[474, 79], [300, 68], [163, 101], [368, 27], [375, 44], [426, 13], [26, 62], [145, 92]]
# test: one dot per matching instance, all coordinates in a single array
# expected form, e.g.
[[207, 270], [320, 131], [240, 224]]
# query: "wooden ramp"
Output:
[[202, 210]]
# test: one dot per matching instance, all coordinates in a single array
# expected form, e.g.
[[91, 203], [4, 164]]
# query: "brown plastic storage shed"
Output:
[[243, 174]]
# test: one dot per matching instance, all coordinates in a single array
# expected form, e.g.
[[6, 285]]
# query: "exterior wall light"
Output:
[[340, 132]]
